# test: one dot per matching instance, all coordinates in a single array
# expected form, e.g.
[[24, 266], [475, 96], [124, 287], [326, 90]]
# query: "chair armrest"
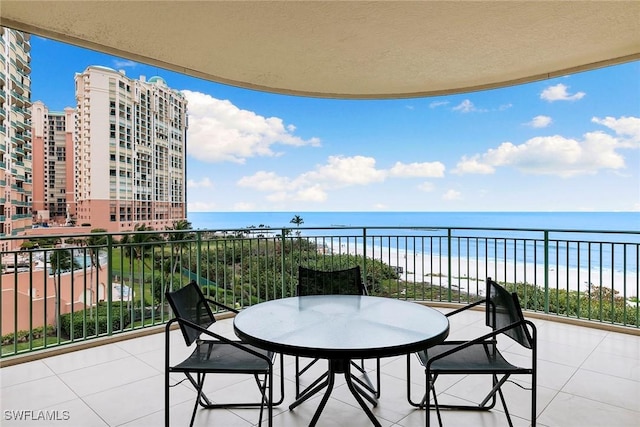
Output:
[[219, 304], [481, 339], [239, 344], [466, 307]]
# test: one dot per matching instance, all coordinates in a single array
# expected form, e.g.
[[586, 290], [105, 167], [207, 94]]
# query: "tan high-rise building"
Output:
[[53, 136], [15, 135], [130, 151]]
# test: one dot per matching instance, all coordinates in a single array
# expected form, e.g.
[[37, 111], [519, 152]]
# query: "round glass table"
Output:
[[340, 328]]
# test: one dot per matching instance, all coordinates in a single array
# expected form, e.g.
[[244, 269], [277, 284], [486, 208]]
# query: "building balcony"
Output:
[[587, 377], [17, 86], [75, 346]]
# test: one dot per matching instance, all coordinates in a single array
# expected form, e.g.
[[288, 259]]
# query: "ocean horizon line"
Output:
[[620, 221]]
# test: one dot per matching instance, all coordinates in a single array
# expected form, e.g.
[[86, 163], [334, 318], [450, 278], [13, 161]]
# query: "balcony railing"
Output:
[[65, 288]]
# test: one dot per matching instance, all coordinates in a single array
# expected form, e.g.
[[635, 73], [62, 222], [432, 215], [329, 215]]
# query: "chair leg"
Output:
[[378, 378], [281, 398], [533, 391], [270, 398], [430, 385], [497, 384], [198, 397], [411, 402], [504, 405], [297, 377], [203, 399], [166, 398]]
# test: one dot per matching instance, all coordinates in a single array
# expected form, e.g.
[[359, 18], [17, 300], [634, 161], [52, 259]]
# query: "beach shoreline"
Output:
[[469, 274]]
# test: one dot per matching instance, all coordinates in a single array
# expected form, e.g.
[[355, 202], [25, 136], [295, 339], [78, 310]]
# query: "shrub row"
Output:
[[97, 320], [26, 336]]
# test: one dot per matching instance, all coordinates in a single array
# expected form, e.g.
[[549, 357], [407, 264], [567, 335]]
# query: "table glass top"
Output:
[[332, 325]]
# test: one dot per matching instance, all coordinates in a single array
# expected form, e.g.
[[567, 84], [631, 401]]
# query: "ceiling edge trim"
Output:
[[54, 35]]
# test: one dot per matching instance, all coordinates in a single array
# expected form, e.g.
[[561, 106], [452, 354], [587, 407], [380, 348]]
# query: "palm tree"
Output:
[[179, 239], [93, 244], [135, 247], [297, 220], [61, 261], [139, 241]]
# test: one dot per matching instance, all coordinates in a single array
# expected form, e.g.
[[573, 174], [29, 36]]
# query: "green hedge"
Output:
[[26, 336], [96, 317]]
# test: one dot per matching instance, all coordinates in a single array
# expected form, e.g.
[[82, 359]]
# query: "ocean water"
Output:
[[565, 227], [594, 221]]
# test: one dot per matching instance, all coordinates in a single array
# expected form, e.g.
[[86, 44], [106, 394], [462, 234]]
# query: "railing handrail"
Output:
[[592, 269]]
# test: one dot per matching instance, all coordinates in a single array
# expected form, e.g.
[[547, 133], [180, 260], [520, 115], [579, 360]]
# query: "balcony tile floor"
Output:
[[587, 377]]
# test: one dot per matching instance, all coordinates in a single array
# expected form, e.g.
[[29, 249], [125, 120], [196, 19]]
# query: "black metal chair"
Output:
[[480, 356], [336, 282], [215, 354]]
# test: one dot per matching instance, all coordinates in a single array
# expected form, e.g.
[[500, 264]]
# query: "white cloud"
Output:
[[436, 104], [465, 106], [452, 195], [265, 181], [540, 122], [427, 187], [423, 170], [203, 183], [120, 63], [311, 194], [243, 206], [473, 165], [337, 172], [278, 196], [559, 93], [340, 171], [626, 127], [201, 206], [552, 155], [219, 131]]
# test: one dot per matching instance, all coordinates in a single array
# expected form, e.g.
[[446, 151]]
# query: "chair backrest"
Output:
[[503, 309], [336, 282], [188, 303]]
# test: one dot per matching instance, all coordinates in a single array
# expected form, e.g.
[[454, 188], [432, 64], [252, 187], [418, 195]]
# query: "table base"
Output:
[[338, 366]]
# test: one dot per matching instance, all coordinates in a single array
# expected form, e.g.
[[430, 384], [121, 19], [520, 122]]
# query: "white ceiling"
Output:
[[345, 49]]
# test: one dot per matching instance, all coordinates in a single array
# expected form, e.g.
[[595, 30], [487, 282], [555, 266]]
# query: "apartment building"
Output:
[[130, 151], [15, 135], [53, 201]]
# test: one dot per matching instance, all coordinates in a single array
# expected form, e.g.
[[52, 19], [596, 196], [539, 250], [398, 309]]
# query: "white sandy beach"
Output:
[[469, 274]]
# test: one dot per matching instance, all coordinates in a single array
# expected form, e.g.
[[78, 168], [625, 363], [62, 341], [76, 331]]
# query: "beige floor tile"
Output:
[[107, 375], [586, 378], [607, 389], [23, 373], [567, 410]]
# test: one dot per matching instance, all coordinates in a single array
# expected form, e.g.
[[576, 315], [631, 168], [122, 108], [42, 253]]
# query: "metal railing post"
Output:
[[546, 271], [282, 263], [449, 264], [109, 284], [364, 255], [198, 259]]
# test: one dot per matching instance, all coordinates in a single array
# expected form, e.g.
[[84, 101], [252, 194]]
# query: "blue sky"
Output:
[[565, 144]]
